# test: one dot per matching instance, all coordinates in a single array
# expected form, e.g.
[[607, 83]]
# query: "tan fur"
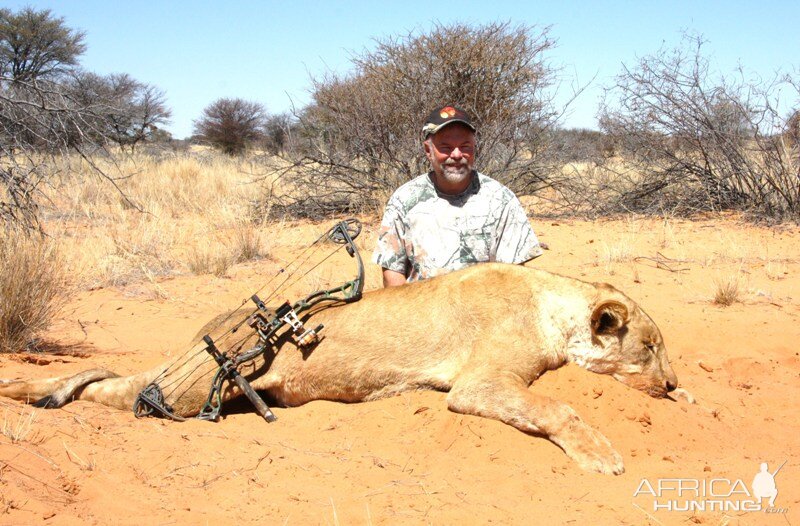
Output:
[[484, 334]]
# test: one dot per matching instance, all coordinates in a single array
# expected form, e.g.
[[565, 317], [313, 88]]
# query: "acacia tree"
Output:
[[36, 44], [129, 111], [41, 117], [231, 124], [36, 117], [361, 135]]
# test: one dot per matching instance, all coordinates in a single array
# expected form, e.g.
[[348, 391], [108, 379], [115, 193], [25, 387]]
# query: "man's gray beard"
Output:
[[456, 173]]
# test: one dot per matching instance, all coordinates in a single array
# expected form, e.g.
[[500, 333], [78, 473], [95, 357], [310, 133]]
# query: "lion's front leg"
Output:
[[505, 397]]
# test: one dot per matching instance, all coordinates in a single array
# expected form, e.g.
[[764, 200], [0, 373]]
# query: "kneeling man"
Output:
[[453, 216]]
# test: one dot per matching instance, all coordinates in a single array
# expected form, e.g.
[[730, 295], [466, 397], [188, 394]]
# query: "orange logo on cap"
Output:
[[449, 111]]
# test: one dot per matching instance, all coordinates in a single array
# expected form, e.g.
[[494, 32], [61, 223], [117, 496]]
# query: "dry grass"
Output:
[[182, 214], [616, 251], [247, 242], [33, 288], [85, 465], [206, 259], [776, 270], [189, 213], [194, 213], [666, 238], [19, 428], [728, 291]]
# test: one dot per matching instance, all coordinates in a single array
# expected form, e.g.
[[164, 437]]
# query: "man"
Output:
[[453, 216]]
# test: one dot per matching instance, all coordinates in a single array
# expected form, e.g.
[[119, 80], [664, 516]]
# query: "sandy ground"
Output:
[[407, 459]]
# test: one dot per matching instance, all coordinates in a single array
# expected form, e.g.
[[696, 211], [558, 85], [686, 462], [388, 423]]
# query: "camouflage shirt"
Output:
[[425, 233]]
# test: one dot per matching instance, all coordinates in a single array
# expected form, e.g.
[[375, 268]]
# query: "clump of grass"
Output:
[[22, 429], [727, 291], [776, 270], [667, 235], [247, 242], [618, 252], [33, 288], [205, 260]]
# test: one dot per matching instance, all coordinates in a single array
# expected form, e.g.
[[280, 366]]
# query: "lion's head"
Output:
[[626, 343]]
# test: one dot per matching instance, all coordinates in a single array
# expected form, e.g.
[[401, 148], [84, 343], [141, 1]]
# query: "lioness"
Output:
[[484, 334]]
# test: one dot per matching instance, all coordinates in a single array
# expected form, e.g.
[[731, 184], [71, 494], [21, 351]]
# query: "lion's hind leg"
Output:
[[505, 397]]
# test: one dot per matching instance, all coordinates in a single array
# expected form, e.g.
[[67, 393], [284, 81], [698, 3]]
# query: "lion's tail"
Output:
[[98, 385]]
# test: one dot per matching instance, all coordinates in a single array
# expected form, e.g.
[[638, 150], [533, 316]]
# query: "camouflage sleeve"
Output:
[[516, 242], [390, 251]]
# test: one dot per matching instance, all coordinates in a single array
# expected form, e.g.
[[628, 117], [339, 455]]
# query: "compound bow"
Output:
[[266, 323]]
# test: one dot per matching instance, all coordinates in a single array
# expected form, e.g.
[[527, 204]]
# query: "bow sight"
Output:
[[267, 323]]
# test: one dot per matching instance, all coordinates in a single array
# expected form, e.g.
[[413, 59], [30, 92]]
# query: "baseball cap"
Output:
[[443, 116]]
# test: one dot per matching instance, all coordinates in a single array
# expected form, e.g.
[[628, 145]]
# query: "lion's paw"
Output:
[[607, 463], [593, 452]]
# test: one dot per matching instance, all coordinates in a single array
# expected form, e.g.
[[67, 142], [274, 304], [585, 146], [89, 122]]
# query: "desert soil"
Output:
[[407, 459]]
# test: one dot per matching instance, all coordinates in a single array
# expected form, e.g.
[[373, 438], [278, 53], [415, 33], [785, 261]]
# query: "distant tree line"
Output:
[[674, 136]]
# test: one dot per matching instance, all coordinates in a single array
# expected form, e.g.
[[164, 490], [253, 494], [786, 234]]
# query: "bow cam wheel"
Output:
[[352, 226]]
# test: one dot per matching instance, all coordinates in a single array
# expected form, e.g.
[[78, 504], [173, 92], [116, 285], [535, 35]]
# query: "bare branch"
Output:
[[693, 141]]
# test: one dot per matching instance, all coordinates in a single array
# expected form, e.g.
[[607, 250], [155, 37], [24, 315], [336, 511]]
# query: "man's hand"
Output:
[[392, 278]]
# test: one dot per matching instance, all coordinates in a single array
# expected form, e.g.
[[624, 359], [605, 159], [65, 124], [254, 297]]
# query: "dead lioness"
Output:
[[484, 334]]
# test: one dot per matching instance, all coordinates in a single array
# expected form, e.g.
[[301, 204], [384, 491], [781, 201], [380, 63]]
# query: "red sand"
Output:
[[407, 459]]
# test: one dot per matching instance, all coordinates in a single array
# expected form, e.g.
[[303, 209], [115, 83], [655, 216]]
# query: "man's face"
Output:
[[451, 152]]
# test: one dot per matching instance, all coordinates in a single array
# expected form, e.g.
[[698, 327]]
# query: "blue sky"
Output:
[[266, 50]]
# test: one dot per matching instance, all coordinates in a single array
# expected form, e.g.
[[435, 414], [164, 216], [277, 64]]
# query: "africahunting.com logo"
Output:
[[717, 494]]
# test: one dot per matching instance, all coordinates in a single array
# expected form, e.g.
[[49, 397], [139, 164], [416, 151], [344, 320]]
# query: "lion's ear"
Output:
[[609, 317]]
